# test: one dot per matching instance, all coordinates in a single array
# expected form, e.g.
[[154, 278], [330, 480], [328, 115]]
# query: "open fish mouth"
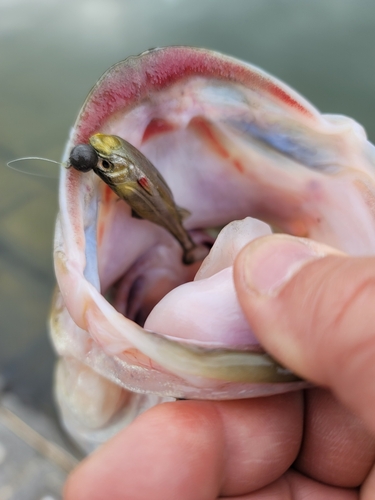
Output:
[[234, 144]]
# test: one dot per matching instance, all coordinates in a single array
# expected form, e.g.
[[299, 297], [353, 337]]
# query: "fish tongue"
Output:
[[231, 239], [206, 310]]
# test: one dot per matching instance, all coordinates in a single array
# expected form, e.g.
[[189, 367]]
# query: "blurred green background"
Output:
[[53, 51]]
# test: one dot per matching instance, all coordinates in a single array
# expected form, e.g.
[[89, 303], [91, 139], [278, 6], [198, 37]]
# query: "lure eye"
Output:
[[105, 164], [83, 157]]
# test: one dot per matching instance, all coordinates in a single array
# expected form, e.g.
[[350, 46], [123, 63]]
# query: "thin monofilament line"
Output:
[[38, 158]]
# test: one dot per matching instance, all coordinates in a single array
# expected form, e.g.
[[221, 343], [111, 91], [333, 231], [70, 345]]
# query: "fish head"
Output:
[[110, 153], [244, 154], [105, 145]]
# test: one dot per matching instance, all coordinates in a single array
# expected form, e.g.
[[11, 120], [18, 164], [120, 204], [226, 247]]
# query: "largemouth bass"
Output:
[[242, 152]]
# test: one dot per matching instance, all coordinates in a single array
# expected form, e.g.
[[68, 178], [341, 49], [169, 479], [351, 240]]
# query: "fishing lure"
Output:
[[137, 181]]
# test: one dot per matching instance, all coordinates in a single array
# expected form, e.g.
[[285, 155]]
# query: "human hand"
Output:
[[312, 443]]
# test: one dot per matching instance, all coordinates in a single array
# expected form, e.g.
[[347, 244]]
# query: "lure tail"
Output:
[[195, 254], [183, 213]]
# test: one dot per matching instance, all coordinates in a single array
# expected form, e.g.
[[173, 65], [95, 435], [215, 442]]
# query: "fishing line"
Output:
[[21, 170]]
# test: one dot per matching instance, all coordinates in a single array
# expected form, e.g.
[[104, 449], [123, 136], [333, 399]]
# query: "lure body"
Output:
[[135, 180]]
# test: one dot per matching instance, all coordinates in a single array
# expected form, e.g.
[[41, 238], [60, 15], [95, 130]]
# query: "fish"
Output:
[[135, 180], [246, 155]]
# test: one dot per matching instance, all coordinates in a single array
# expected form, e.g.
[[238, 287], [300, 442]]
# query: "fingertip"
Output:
[[318, 322], [261, 272], [72, 487], [268, 263], [164, 454], [195, 449]]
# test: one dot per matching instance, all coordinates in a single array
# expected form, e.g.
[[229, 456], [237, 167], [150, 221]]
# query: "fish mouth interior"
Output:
[[219, 167], [206, 165], [140, 262], [236, 147]]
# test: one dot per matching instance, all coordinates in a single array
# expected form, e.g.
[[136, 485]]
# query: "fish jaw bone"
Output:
[[251, 146]]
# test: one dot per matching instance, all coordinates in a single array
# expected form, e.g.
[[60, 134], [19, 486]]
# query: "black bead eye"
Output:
[[83, 157], [105, 164]]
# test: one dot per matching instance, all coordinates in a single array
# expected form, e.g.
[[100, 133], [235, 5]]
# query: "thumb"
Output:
[[313, 309]]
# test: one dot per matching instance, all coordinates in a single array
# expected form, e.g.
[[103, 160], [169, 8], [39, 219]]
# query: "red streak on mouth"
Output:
[[100, 233], [203, 128], [157, 126], [130, 82], [298, 228], [239, 166], [107, 195]]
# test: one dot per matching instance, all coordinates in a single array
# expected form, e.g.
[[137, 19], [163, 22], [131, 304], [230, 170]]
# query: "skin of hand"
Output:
[[313, 309]]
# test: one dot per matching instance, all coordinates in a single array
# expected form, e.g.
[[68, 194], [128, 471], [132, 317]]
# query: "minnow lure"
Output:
[[137, 181]]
